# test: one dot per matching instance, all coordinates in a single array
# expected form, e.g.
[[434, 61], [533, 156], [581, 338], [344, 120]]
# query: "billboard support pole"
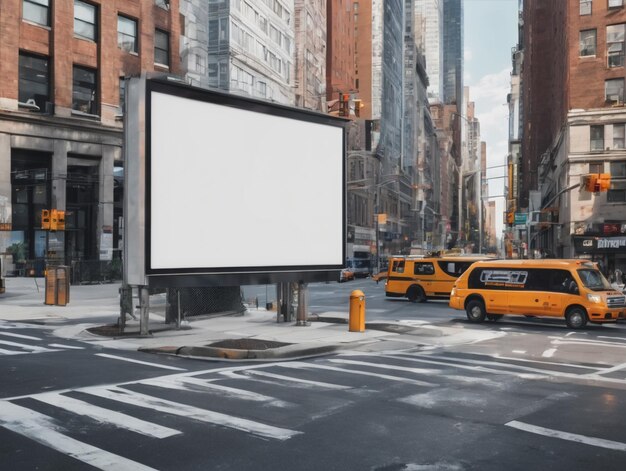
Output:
[[303, 304], [144, 305]]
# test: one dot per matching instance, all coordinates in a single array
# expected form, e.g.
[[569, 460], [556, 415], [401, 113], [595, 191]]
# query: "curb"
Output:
[[290, 352]]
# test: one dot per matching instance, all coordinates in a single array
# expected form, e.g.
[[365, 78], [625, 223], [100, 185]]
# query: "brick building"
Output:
[[574, 118], [62, 70]]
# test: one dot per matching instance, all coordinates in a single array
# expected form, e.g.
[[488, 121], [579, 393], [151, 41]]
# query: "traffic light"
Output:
[[60, 220], [510, 218], [45, 219], [344, 104], [358, 104], [597, 182], [604, 181], [54, 219]]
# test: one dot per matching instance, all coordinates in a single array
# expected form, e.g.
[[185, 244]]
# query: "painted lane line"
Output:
[[574, 437], [102, 415], [20, 336], [297, 380], [609, 370], [60, 345], [549, 353], [295, 365], [607, 337], [42, 429], [147, 363], [30, 348], [127, 396], [528, 360], [521, 352], [419, 371], [10, 352], [187, 384], [592, 343]]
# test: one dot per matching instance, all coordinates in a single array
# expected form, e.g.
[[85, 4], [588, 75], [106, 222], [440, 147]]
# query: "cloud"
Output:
[[467, 55]]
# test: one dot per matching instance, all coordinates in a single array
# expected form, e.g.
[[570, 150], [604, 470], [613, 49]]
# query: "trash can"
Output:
[[57, 285]]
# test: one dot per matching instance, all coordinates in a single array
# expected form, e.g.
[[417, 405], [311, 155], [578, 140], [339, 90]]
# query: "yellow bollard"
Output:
[[357, 311]]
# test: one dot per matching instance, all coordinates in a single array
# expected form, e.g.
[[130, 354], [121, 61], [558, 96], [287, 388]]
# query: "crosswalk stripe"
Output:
[[299, 365], [42, 429], [108, 416], [60, 345], [10, 352], [147, 363], [127, 396], [421, 371], [295, 380], [182, 384], [30, 348], [20, 336]]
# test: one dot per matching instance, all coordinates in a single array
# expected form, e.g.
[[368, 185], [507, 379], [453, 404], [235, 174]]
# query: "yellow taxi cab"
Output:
[[574, 290], [418, 277]]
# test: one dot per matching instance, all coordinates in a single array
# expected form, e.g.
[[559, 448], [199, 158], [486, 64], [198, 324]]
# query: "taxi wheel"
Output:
[[475, 310], [576, 318], [416, 294]]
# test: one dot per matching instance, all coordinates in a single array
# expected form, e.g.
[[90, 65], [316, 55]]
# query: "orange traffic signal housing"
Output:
[[60, 220], [604, 181], [54, 219], [45, 219], [597, 182]]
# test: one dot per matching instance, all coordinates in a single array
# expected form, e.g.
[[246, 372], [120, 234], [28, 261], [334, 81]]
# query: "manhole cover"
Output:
[[248, 344]]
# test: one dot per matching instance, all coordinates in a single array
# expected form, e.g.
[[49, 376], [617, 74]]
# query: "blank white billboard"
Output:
[[233, 187]]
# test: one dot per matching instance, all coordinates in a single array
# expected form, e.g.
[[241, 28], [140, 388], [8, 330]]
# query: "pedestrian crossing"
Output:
[[266, 401], [13, 341]]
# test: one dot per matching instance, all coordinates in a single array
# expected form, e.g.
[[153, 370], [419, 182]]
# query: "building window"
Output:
[[36, 11], [618, 136], [161, 48], [585, 7], [127, 34], [34, 85], [618, 169], [614, 90], [596, 167], [617, 192], [85, 20], [84, 91], [588, 43], [616, 3], [615, 45], [597, 137]]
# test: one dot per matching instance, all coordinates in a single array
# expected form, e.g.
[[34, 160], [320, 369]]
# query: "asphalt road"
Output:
[[530, 395]]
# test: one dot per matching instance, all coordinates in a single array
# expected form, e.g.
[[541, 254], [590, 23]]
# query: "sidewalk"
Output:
[[254, 335]]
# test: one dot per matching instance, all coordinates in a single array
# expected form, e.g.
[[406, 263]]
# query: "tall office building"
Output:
[[453, 52], [428, 20]]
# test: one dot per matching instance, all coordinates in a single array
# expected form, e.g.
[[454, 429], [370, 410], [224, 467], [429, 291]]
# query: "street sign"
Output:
[[520, 219]]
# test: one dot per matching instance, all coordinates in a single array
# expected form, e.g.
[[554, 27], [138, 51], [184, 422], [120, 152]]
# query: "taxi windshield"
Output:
[[594, 280]]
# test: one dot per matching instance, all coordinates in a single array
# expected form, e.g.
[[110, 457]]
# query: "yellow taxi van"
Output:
[[574, 290], [418, 278]]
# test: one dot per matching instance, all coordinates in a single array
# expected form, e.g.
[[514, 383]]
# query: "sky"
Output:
[[490, 32]]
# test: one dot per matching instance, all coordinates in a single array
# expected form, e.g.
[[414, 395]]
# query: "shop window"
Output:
[[34, 82], [84, 91], [161, 48], [585, 7], [614, 90], [618, 136], [597, 138], [127, 34], [615, 45], [36, 11], [588, 43], [85, 16]]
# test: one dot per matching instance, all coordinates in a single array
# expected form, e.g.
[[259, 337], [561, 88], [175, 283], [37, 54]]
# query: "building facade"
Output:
[[580, 133], [429, 38], [453, 52], [63, 65]]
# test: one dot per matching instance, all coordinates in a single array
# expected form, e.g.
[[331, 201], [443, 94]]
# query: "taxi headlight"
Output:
[[594, 298]]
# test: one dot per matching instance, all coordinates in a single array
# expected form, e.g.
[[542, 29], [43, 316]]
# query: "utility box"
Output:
[[57, 286]]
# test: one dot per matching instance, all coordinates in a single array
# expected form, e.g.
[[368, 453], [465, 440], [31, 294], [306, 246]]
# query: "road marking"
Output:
[[184, 384], [420, 371], [549, 353], [527, 360], [521, 352], [609, 370], [607, 337], [298, 365], [20, 336], [574, 437], [60, 345], [42, 429], [127, 396], [30, 348], [147, 363], [100, 414], [296, 380]]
